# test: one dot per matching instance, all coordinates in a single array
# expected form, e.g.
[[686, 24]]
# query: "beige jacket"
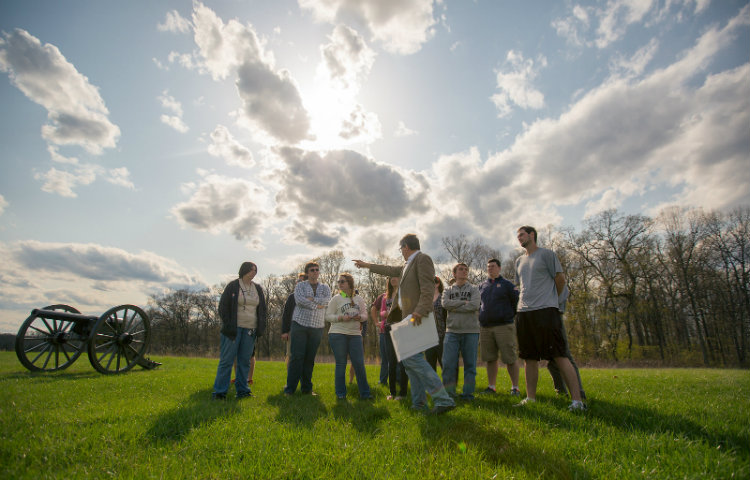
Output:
[[416, 288]]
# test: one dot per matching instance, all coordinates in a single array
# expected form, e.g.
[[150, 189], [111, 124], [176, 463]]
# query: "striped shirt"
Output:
[[306, 312]]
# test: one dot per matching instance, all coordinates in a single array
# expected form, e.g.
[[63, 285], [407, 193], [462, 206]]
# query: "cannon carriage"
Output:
[[52, 338]]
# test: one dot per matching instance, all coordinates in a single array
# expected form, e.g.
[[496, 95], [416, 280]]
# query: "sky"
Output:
[[158, 145]]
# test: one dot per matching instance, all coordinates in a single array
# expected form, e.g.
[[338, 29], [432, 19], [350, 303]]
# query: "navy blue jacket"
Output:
[[499, 302]]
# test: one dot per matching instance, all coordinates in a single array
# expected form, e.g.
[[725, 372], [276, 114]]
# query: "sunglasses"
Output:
[[314, 270], [342, 281]]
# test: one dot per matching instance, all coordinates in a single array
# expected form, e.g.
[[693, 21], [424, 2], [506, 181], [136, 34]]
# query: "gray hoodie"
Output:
[[463, 316]]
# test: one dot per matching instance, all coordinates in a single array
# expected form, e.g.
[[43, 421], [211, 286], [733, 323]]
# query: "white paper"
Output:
[[409, 339]]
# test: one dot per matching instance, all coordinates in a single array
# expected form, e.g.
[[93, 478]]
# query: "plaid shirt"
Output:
[[306, 312]]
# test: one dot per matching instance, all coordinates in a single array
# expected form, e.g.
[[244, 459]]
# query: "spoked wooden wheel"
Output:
[[46, 345], [119, 339]]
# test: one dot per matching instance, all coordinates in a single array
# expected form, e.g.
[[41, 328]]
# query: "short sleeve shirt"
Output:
[[536, 274]]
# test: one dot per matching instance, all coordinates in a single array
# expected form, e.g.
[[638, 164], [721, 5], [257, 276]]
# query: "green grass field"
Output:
[[670, 423]]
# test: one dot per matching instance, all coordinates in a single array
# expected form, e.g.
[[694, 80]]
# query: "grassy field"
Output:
[[675, 423]]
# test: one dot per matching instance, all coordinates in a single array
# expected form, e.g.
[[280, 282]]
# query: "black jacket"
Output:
[[228, 305]]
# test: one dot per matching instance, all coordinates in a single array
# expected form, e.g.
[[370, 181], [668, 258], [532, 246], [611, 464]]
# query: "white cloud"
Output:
[[270, 97], [221, 203], [225, 146], [403, 131], [399, 26], [665, 131], [360, 125], [347, 59], [63, 182], [515, 84], [175, 122], [3, 204], [76, 112], [175, 23]]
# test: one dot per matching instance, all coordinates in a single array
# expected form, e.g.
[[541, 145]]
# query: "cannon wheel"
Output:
[[46, 345], [119, 339]]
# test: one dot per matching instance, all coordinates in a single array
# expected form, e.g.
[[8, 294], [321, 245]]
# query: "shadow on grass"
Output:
[[51, 377], [298, 409], [628, 417], [199, 409], [461, 436], [363, 415], [622, 416]]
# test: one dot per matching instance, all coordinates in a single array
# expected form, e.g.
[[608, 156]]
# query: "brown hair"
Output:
[[439, 284], [349, 280]]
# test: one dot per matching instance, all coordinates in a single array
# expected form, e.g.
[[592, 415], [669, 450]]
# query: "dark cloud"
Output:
[[344, 187]]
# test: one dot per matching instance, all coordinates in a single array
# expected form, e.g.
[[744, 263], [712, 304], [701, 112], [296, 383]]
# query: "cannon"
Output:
[[53, 337]]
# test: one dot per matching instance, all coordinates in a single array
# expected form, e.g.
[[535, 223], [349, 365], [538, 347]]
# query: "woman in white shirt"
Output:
[[345, 312]]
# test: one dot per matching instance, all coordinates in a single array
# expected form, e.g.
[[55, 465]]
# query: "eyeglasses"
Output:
[[314, 270], [342, 281]]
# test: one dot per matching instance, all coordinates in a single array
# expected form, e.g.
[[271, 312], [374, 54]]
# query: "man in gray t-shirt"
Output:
[[540, 329]]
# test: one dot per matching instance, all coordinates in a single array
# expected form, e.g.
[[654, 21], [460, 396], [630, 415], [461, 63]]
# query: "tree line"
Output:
[[673, 289]]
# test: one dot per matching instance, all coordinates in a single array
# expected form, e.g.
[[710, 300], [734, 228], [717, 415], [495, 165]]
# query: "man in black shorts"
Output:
[[540, 329]]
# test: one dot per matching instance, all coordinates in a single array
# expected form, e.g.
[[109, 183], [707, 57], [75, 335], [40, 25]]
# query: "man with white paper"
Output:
[[414, 297]]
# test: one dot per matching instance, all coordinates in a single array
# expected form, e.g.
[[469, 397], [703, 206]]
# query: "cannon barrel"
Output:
[[63, 316]]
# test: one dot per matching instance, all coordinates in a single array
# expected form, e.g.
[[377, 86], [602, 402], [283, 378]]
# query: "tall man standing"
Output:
[[540, 329], [497, 335], [414, 297], [311, 299]]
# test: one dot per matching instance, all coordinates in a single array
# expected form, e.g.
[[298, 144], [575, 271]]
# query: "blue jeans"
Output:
[[383, 359], [424, 380], [343, 345], [241, 348], [304, 343], [467, 344]]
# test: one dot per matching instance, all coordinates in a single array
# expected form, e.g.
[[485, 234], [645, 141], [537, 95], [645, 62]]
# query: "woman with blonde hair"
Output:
[[345, 312]]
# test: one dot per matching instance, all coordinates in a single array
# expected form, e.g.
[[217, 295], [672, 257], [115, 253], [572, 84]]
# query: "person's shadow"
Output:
[[363, 415], [297, 409], [197, 410], [464, 435]]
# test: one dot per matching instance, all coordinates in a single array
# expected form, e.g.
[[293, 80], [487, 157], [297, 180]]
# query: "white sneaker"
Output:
[[525, 401], [577, 406]]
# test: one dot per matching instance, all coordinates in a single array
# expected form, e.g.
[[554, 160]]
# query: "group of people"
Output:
[[507, 321]]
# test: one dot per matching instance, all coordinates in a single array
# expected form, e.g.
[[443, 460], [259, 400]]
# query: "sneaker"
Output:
[[577, 406], [515, 392], [395, 398], [311, 393], [525, 401], [218, 396], [245, 395], [488, 391]]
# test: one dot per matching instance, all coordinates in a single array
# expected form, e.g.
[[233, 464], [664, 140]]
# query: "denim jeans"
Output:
[[467, 344], [304, 343], [424, 380], [351, 345], [241, 348], [434, 355], [383, 358]]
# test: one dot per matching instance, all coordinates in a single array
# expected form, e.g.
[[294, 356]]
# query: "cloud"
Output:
[[270, 98], [63, 182], [403, 131], [224, 145], [170, 103], [174, 122], [97, 262], [670, 130], [360, 124], [347, 59], [515, 84], [315, 234], [3, 204], [175, 23], [76, 112], [343, 186], [221, 203], [401, 27]]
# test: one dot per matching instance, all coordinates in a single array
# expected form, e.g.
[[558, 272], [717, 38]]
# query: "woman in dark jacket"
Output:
[[242, 309]]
